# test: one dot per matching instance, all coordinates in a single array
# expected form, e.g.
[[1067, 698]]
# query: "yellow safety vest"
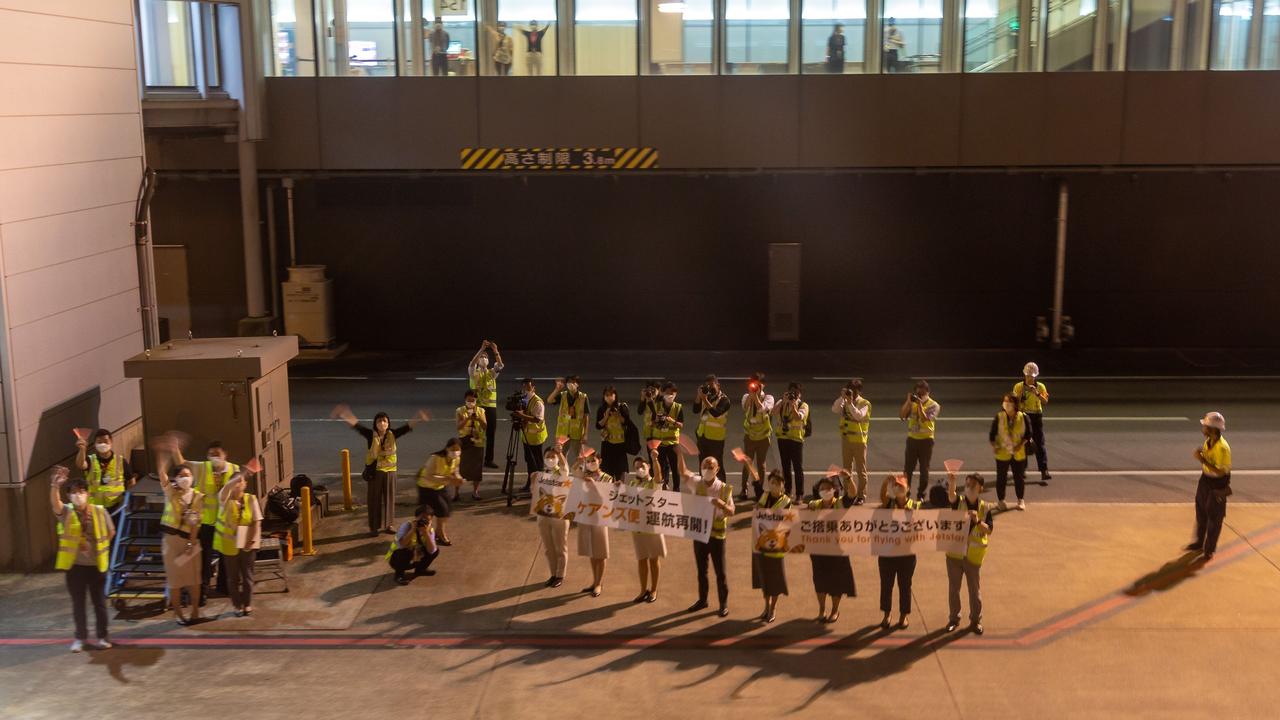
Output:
[[571, 420], [1219, 455], [69, 537], [485, 383], [795, 424], [646, 415], [210, 484], [105, 491], [414, 542], [921, 429], [668, 434], [224, 539], [471, 429], [425, 479], [615, 433], [535, 431], [856, 431], [1011, 437], [978, 540], [1030, 400], [382, 452], [820, 504], [173, 511], [710, 426], [719, 525], [756, 424]]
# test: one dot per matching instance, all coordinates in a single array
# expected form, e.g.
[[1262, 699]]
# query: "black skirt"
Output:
[[768, 574], [437, 499], [833, 575]]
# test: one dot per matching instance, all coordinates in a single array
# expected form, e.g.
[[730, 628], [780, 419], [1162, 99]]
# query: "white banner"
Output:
[[860, 531], [626, 508], [549, 493]]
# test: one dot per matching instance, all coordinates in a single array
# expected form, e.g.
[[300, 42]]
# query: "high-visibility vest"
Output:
[[1011, 437], [210, 484], [1219, 454], [856, 431], [821, 504], [173, 511], [795, 424], [756, 423], [224, 538], [978, 540], [615, 432], [921, 428], [485, 383], [646, 416], [668, 433], [414, 542], [535, 431], [571, 421], [1029, 398], [911, 504], [69, 537], [382, 452], [434, 467], [649, 483], [719, 524], [471, 428], [710, 426], [105, 489], [782, 503]]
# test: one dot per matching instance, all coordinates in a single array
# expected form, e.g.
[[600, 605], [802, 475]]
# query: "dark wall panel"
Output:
[[293, 124], [1242, 122], [1163, 117], [681, 117]]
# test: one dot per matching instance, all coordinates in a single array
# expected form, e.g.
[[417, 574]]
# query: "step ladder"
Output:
[[136, 572]]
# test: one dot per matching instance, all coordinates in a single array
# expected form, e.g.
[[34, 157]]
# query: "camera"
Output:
[[915, 397], [753, 386], [422, 522], [516, 402], [791, 396], [708, 390]]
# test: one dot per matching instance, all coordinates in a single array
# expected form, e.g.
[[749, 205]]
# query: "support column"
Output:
[[254, 284], [873, 43], [952, 36], [793, 38], [1253, 58], [1059, 267]]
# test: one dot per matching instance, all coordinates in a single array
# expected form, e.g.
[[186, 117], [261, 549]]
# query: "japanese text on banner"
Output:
[[862, 531], [653, 511]]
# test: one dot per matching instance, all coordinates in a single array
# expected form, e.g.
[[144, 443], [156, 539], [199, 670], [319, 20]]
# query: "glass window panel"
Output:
[[371, 37], [833, 36], [911, 36], [604, 41], [525, 36], [1271, 35], [991, 29], [450, 47], [168, 57], [1150, 35], [1231, 20], [756, 36], [1069, 41], [681, 35]]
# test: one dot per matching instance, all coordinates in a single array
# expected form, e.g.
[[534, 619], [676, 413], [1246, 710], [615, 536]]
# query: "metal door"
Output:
[[784, 291]]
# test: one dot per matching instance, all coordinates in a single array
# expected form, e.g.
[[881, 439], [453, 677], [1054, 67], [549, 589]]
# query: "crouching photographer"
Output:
[[414, 546]]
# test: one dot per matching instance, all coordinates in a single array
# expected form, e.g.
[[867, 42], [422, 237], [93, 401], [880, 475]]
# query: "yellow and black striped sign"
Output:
[[559, 158]]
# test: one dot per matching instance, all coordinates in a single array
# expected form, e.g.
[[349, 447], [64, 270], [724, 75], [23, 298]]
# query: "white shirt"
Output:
[[766, 402], [858, 414]]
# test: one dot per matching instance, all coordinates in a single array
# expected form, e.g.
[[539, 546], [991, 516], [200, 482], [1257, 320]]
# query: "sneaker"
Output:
[[491, 465], [952, 625], [550, 581], [1194, 547], [77, 646], [723, 611], [1001, 506], [1045, 477], [424, 573], [1022, 504], [102, 644], [859, 500], [977, 628]]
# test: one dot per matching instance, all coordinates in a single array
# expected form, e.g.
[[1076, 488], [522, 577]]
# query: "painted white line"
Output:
[[330, 377], [1032, 478], [1101, 378], [441, 379]]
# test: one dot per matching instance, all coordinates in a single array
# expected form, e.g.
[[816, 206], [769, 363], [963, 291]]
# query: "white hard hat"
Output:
[[1031, 369], [1215, 420]]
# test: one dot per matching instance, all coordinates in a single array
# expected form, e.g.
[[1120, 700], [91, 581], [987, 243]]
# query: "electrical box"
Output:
[[235, 390], [308, 311]]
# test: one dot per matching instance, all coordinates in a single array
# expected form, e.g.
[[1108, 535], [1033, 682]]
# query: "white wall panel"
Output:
[[38, 345], [35, 140], [52, 290], [42, 191], [114, 11], [47, 90], [117, 406], [49, 39], [33, 244], [47, 389]]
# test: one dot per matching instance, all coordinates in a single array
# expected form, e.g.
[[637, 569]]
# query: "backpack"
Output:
[[631, 437], [282, 505]]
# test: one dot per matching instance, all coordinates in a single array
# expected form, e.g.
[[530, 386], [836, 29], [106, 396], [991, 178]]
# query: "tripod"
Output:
[[515, 441]]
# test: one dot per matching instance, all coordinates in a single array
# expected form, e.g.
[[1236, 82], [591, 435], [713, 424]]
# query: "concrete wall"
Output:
[[70, 164], [815, 121]]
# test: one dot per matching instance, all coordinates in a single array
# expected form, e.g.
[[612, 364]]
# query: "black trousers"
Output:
[[670, 465], [439, 64], [1019, 468], [613, 459], [206, 557], [1211, 510], [901, 568], [533, 462], [714, 449], [86, 580], [490, 433], [918, 451], [713, 548], [791, 452], [402, 560], [1037, 436]]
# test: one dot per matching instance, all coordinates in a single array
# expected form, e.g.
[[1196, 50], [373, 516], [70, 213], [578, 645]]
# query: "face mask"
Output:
[[971, 495], [551, 462], [669, 398], [642, 473], [382, 427], [593, 466], [102, 448], [184, 482], [609, 399], [827, 494], [471, 404], [79, 499], [573, 387], [455, 454], [483, 363], [528, 394], [217, 461], [1008, 407]]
